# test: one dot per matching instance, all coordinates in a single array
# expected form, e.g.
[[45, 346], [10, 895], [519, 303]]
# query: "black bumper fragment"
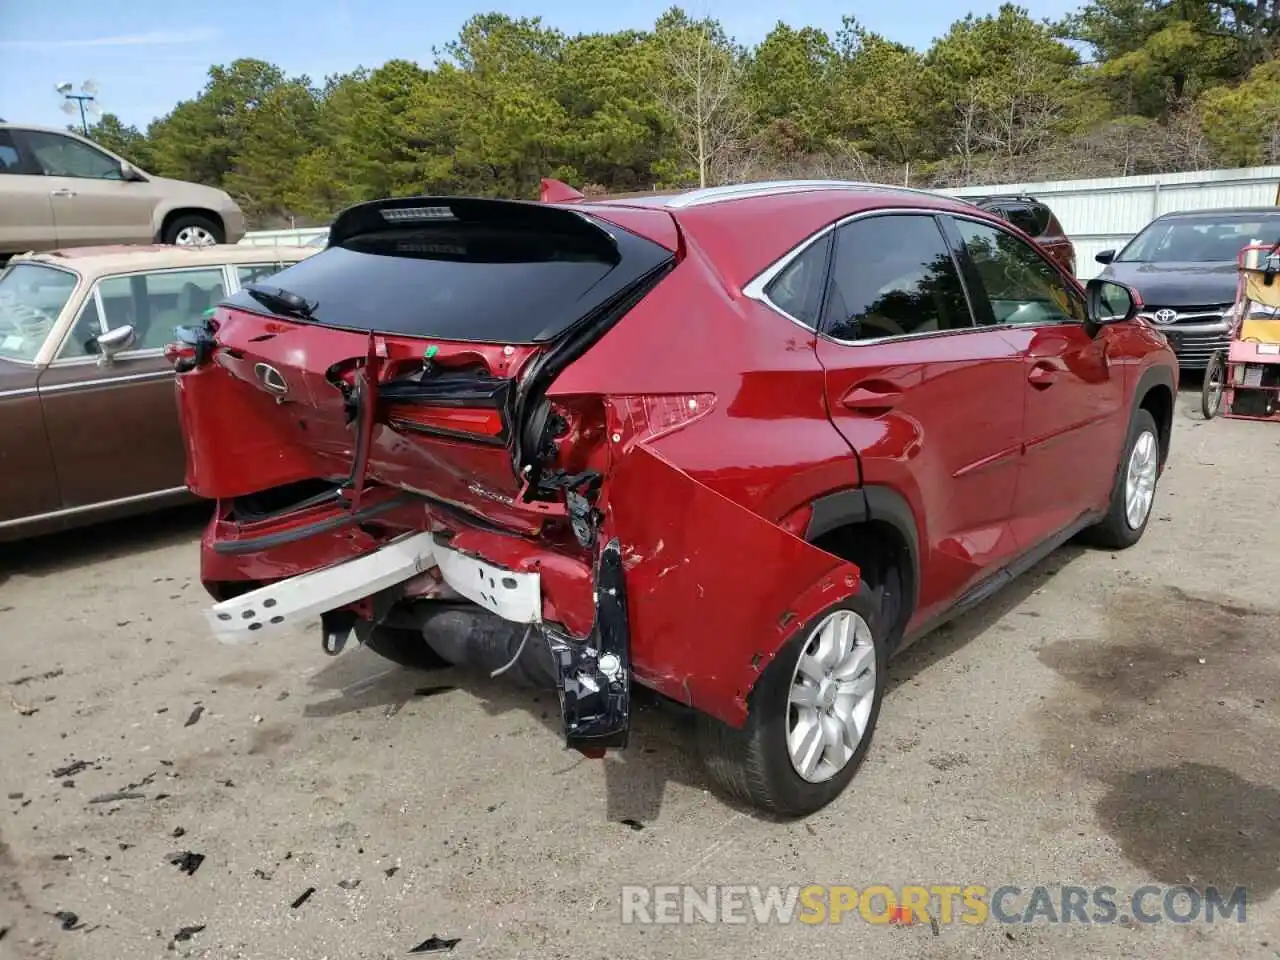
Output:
[[593, 676]]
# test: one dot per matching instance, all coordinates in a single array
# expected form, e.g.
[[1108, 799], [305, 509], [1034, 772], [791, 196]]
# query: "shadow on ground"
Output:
[[663, 747], [69, 550]]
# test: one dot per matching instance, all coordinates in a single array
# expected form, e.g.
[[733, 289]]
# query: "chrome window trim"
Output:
[[108, 381], [58, 359], [755, 289], [19, 392]]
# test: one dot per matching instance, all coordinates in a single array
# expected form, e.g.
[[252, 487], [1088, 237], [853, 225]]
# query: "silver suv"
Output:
[[58, 189]]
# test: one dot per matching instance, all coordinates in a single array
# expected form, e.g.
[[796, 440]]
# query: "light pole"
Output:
[[71, 101]]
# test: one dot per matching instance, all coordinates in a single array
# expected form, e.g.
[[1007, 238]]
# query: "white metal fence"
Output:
[[1096, 214], [284, 238], [1105, 214]]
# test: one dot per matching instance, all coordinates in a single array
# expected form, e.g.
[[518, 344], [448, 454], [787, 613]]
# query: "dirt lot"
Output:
[[1109, 720]]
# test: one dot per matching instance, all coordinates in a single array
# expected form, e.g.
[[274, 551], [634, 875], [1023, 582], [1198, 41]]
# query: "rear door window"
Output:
[[468, 270], [10, 161], [893, 276]]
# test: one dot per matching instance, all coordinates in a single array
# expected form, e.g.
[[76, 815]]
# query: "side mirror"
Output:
[[1110, 302], [114, 341], [130, 173], [1105, 257]]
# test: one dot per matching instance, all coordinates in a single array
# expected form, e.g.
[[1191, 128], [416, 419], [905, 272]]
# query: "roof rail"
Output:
[[1008, 196], [739, 191]]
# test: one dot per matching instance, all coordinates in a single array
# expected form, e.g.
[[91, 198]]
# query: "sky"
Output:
[[146, 55]]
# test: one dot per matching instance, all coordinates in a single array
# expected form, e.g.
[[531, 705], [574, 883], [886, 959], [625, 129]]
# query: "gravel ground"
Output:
[[1107, 720]]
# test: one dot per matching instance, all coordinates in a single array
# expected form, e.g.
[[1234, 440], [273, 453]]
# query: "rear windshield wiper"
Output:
[[281, 301]]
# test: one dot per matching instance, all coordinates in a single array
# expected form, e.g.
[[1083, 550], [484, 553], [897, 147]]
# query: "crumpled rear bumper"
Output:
[[690, 594]]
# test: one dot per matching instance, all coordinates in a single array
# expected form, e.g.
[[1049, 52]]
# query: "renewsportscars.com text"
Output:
[[944, 903]]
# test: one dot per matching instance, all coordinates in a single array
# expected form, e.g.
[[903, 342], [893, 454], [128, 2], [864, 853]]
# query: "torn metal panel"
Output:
[[716, 589]]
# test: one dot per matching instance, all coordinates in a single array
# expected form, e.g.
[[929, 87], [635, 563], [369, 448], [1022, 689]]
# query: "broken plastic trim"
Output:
[[593, 677]]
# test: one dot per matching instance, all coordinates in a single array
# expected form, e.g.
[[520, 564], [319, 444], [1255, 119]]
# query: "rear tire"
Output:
[[1215, 382], [1137, 476], [754, 763], [193, 230]]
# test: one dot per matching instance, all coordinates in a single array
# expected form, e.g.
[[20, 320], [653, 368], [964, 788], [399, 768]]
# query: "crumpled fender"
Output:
[[713, 590]]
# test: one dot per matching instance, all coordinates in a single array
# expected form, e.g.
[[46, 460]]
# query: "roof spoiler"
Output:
[[556, 191], [407, 213]]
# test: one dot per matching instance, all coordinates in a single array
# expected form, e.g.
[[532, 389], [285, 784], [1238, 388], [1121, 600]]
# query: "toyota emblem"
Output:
[[272, 380], [1165, 316]]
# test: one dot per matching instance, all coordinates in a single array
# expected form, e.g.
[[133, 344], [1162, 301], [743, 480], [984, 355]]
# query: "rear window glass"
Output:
[[1031, 218], [476, 280]]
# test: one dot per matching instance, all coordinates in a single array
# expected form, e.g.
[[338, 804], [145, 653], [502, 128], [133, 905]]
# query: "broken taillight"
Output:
[[466, 423], [192, 349], [638, 419]]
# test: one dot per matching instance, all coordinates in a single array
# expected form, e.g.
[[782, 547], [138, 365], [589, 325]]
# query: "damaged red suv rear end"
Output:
[[536, 411], [717, 444]]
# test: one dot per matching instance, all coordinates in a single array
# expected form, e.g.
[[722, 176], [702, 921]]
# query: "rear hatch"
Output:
[[413, 352]]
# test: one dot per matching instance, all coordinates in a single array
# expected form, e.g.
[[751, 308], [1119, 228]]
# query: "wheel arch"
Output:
[[1156, 392], [869, 526], [177, 212]]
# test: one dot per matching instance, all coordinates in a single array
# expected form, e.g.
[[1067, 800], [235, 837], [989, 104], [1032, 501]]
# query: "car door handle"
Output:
[[1043, 375], [877, 399], [62, 193]]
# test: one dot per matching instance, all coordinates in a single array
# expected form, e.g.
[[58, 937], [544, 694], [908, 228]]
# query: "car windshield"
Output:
[[1200, 239], [31, 299]]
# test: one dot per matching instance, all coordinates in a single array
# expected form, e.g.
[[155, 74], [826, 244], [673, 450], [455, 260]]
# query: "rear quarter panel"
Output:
[[767, 444]]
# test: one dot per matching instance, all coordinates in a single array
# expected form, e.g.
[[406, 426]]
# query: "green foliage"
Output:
[[1122, 86]]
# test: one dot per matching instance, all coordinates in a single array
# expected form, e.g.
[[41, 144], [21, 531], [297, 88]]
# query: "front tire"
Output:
[[811, 715], [1135, 489], [193, 230]]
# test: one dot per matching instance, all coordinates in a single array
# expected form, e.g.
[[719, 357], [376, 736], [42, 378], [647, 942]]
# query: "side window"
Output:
[[893, 276], [252, 273], [155, 303], [1020, 285], [60, 156], [88, 325], [9, 159], [798, 288]]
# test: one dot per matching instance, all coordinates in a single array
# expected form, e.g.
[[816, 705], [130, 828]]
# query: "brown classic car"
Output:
[[88, 420]]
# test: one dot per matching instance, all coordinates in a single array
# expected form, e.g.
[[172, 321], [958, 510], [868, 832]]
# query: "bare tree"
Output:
[[1021, 114], [1182, 144], [702, 90], [968, 129]]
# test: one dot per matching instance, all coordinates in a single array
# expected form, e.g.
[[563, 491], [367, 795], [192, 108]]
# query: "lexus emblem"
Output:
[[272, 380], [1166, 316]]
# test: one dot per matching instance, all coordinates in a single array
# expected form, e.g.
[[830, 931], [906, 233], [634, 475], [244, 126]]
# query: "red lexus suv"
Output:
[[738, 445]]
